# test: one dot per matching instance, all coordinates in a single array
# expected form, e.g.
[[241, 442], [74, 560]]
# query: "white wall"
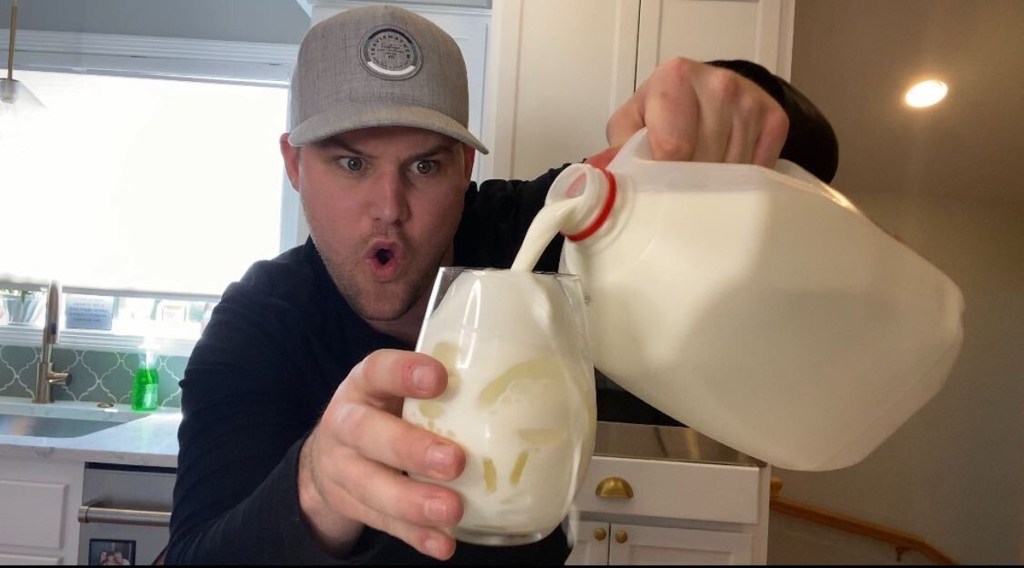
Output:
[[950, 184]]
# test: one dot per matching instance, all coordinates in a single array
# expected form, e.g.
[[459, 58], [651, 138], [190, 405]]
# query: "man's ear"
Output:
[[470, 157], [291, 160]]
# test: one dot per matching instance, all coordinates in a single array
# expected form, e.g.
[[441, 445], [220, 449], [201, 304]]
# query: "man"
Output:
[[292, 449]]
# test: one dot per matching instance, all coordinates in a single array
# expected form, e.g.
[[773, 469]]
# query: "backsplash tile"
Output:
[[96, 376]]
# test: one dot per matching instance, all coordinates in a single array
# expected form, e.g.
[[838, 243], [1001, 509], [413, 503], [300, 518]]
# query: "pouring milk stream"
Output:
[[758, 306]]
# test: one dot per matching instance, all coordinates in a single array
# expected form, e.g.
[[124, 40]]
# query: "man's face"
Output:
[[382, 205]]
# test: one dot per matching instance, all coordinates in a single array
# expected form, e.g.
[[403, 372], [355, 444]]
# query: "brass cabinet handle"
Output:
[[621, 536], [614, 488], [600, 534]]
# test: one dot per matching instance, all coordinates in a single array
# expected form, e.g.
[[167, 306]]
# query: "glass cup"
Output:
[[520, 398]]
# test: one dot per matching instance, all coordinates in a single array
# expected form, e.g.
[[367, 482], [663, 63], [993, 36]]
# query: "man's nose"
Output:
[[390, 198]]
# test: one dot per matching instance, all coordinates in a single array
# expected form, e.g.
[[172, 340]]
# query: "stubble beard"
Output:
[[385, 301]]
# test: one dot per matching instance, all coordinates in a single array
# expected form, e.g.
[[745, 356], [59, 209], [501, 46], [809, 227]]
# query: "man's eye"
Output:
[[426, 167], [351, 164]]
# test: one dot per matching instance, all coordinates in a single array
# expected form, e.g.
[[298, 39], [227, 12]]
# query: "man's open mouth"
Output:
[[383, 256]]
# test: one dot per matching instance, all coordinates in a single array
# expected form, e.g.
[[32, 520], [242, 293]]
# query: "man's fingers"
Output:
[[350, 469], [386, 376], [742, 139], [365, 414], [773, 133], [698, 112], [387, 493], [382, 437], [674, 124], [625, 121], [386, 500]]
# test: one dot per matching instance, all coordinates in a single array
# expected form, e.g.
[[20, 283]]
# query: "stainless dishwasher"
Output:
[[125, 513]]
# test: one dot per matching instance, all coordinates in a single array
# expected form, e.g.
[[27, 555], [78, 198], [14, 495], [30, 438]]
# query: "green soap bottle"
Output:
[[146, 387]]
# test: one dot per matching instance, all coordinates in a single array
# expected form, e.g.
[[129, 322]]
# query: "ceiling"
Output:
[[854, 58]]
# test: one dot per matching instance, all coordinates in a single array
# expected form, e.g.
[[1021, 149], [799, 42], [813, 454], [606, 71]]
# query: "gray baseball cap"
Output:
[[378, 66]]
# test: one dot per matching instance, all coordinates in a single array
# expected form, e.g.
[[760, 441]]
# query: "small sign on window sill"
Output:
[[89, 312]]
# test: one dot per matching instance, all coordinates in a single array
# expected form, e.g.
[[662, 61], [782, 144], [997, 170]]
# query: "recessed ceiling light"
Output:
[[924, 94]]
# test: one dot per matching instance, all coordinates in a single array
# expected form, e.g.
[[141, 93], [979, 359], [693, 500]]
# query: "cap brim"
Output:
[[369, 115]]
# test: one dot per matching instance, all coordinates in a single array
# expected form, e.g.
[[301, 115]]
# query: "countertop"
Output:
[[665, 443], [152, 440]]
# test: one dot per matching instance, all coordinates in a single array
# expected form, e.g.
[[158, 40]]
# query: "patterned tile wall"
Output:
[[96, 376]]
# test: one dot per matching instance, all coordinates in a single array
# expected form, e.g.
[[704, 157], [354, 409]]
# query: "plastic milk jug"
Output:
[[757, 306]]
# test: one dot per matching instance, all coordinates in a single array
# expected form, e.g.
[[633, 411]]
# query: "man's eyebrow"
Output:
[[337, 143], [447, 146], [439, 148]]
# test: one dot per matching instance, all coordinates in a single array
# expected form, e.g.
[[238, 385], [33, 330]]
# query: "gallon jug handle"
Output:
[[794, 171], [636, 148]]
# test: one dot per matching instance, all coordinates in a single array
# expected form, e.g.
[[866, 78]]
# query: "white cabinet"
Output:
[[591, 544], [755, 30], [557, 70], [637, 544], [38, 523], [621, 544], [669, 512]]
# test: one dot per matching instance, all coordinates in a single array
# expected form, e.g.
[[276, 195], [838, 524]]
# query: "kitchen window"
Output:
[[150, 183]]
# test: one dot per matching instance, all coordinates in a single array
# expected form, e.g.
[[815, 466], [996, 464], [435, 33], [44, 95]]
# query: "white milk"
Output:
[[519, 400], [761, 309]]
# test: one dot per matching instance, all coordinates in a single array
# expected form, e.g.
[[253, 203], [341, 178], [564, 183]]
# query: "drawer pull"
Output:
[[600, 534], [614, 488], [97, 513], [621, 537]]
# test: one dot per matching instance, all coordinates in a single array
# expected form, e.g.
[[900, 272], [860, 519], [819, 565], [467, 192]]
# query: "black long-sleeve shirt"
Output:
[[282, 339]]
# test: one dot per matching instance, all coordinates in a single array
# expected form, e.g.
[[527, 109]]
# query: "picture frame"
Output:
[[108, 552]]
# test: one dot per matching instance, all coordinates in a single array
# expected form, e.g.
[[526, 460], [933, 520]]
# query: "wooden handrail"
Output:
[[902, 541]]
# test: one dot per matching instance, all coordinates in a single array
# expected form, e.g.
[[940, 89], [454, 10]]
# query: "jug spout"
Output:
[[578, 205], [593, 193]]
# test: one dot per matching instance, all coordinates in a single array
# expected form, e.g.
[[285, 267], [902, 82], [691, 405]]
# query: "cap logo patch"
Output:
[[390, 53]]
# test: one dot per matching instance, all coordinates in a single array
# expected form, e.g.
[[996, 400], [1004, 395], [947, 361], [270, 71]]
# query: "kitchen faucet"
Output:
[[45, 377]]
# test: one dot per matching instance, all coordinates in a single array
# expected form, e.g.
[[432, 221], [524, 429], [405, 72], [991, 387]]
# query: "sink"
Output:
[[64, 419], [51, 427]]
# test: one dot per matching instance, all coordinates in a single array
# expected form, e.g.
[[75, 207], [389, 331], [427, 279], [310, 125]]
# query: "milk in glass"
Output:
[[520, 398]]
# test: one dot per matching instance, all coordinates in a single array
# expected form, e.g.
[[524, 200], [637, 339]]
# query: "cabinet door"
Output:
[[13, 559], [755, 30], [591, 544], [634, 544], [38, 499], [559, 69]]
